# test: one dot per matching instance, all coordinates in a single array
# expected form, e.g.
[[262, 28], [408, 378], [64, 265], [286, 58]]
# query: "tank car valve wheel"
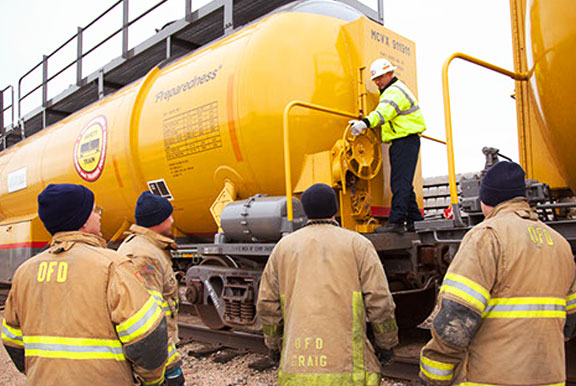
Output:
[[363, 153]]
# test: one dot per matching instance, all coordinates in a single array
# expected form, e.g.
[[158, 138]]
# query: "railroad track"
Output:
[[227, 339], [403, 367]]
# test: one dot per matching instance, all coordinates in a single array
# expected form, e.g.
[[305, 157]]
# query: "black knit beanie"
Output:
[[319, 201], [502, 182], [152, 210], [65, 207]]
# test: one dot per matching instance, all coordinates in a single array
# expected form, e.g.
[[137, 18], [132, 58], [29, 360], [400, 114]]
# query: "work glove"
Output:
[[385, 357], [357, 127], [175, 377], [274, 356]]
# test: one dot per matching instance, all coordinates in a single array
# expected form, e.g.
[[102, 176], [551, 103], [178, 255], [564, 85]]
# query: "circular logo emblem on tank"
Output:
[[90, 149]]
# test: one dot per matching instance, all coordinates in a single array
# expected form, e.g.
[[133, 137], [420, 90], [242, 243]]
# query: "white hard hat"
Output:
[[380, 67]]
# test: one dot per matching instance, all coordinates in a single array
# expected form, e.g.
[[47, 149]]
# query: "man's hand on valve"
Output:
[[357, 127]]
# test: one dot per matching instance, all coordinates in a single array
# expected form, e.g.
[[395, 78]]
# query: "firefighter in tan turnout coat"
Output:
[[77, 315], [508, 300], [148, 246], [319, 286]]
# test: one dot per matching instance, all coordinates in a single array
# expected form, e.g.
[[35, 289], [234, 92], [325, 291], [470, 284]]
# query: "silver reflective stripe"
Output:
[[382, 120], [435, 371], [470, 291], [143, 320], [410, 100], [410, 110], [387, 102], [525, 307], [10, 335], [72, 348], [571, 303], [413, 107]]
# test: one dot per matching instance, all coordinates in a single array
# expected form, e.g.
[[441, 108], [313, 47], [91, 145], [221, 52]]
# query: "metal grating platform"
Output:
[[194, 30]]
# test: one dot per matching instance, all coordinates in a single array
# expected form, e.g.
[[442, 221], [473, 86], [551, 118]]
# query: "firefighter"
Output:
[[317, 289], [77, 315], [401, 120], [508, 299], [148, 246]]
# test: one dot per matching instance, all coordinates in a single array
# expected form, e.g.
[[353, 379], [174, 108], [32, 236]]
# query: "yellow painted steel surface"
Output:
[[211, 117], [546, 32]]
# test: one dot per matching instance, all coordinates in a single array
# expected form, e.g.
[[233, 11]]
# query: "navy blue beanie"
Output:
[[502, 182], [319, 201], [152, 210], [65, 207]]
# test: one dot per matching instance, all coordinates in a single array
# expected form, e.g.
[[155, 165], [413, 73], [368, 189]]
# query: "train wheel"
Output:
[[208, 312]]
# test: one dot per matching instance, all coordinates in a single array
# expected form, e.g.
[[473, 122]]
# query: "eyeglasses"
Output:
[[98, 210]]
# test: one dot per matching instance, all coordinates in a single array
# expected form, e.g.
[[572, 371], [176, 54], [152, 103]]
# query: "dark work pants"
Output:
[[403, 159]]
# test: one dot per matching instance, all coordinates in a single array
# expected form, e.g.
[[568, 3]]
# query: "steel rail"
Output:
[[405, 368], [231, 339]]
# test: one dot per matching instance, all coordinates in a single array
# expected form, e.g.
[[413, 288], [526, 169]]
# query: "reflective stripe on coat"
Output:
[[506, 295], [75, 309], [398, 112], [319, 286]]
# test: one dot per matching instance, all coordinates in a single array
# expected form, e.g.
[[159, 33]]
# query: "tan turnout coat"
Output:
[[78, 312], [150, 253], [319, 286], [504, 303]]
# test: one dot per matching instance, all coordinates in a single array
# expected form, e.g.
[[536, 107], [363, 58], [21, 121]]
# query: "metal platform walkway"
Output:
[[196, 29]]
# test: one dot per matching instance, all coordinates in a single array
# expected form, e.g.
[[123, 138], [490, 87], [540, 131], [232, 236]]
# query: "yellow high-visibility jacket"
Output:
[[504, 305], [319, 286], [78, 315], [398, 112], [150, 254]]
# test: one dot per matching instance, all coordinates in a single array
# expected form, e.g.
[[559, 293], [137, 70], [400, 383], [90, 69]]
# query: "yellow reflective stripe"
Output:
[[314, 379], [436, 370], [73, 348], [526, 307], [11, 334], [159, 299], [359, 376], [373, 379], [172, 355], [571, 302], [15, 341], [272, 329], [466, 289], [158, 382], [464, 280], [358, 373], [72, 355], [283, 309], [139, 323]]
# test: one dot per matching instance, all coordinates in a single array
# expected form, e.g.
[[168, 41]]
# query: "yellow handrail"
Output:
[[448, 119], [432, 139], [286, 132]]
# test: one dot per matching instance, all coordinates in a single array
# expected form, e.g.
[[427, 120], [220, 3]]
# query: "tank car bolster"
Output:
[[231, 291]]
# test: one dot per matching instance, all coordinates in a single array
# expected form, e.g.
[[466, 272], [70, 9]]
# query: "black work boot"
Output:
[[391, 227], [410, 226]]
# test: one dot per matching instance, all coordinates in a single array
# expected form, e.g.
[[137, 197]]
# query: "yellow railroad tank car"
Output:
[[214, 116], [544, 37]]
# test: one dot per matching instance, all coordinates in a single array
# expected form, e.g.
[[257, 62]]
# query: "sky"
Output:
[[483, 111]]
